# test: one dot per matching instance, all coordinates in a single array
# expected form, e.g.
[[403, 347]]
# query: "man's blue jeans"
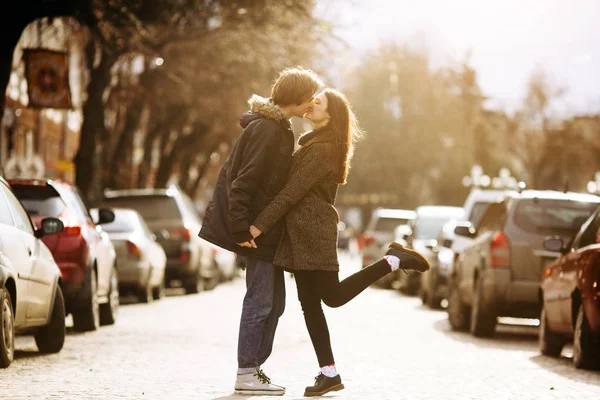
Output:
[[264, 303]]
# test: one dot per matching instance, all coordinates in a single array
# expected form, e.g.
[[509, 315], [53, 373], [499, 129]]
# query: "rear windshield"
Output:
[[542, 215], [40, 200], [429, 228], [388, 224], [151, 207], [124, 222]]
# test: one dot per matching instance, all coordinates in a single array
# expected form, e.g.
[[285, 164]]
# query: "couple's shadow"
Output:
[[234, 396]]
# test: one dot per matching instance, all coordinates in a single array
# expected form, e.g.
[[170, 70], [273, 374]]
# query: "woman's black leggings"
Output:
[[316, 286]]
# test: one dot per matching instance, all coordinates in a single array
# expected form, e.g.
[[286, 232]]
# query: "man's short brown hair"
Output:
[[295, 86]]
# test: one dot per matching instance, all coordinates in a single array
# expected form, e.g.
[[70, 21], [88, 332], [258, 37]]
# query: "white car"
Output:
[[140, 260], [379, 233], [31, 299]]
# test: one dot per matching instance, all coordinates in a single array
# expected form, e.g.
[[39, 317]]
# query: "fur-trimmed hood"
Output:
[[261, 107]]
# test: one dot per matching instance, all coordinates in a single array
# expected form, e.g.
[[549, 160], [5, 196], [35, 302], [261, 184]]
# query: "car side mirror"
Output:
[[105, 216], [49, 226], [431, 245], [465, 229], [555, 244]]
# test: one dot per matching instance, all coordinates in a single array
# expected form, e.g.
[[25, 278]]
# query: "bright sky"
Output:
[[508, 40]]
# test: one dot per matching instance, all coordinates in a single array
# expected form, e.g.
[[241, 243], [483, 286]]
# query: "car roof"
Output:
[[452, 211], [556, 195], [394, 213], [170, 191]]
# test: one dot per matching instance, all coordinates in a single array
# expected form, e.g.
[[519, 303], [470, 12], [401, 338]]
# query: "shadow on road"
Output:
[[509, 337], [23, 354], [563, 366]]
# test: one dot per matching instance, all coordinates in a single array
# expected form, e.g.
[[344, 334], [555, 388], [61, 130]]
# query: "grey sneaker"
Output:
[[257, 383]]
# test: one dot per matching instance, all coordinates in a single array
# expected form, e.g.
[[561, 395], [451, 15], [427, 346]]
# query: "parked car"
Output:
[[173, 219], [571, 296], [83, 252], [31, 298], [434, 282], [226, 262], [425, 227], [499, 273], [140, 259], [379, 233]]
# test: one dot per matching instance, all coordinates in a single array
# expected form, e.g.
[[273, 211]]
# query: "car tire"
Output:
[[88, 318], [483, 323], [458, 312], [159, 291], [586, 344], [51, 338], [109, 311], [550, 343], [7, 329], [194, 284]]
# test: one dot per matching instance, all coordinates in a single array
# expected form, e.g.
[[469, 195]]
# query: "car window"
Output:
[[590, 233], [551, 215], [124, 222], [493, 218], [476, 212], [5, 214], [22, 220], [151, 207], [40, 200], [388, 224], [428, 227], [75, 204]]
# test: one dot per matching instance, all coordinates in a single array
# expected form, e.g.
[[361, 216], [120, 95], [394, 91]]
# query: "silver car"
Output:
[[140, 260]]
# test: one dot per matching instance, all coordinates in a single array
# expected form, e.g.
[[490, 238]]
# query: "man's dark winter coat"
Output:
[[253, 174]]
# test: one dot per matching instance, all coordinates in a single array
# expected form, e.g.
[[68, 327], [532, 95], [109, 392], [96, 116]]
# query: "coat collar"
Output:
[[309, 137], [265, 107]]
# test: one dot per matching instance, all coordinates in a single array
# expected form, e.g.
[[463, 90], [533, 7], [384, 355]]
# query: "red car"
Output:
[[571, 296], [83, 252]]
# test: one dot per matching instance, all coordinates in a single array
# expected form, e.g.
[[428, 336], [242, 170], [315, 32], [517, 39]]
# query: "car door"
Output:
[[572, 269], [38, 288]]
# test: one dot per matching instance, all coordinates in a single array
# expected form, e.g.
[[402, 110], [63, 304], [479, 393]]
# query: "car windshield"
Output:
[[429, 227], [477, 212], [151, 207], [549, 215], [124, 222], [388, 224], [40, 200]]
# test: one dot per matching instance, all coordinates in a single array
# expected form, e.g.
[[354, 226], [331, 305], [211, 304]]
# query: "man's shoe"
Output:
[[409, 259], [324, 384], [257, 383]]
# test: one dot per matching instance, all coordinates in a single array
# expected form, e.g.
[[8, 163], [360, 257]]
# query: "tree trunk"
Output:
[[93, 122], [10, 38]]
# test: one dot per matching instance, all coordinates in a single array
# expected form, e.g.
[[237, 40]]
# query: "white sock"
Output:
[[329, 371], [393, 261]]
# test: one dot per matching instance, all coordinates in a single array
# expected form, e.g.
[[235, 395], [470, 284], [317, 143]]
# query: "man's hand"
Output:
[[250, 244], [255, 232]]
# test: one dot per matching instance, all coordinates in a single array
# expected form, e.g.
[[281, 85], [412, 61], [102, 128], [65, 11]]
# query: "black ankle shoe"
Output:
[[324, 384], [409, 259]]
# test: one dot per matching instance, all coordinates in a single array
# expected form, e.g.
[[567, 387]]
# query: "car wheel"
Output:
[[108, 311], [159, 291], [550, 343], [7, 329], [483, 323], [194, 284], [586, 344], [51, 338], [458, 312], [88, 318]]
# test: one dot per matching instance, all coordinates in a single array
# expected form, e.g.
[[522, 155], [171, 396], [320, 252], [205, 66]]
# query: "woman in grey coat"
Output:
[[308, 246]]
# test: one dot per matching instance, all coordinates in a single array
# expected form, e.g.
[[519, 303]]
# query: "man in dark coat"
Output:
[[253, 174]]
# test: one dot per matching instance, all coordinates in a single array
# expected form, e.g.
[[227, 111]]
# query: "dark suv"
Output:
[[499, 272], [172, 217]]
